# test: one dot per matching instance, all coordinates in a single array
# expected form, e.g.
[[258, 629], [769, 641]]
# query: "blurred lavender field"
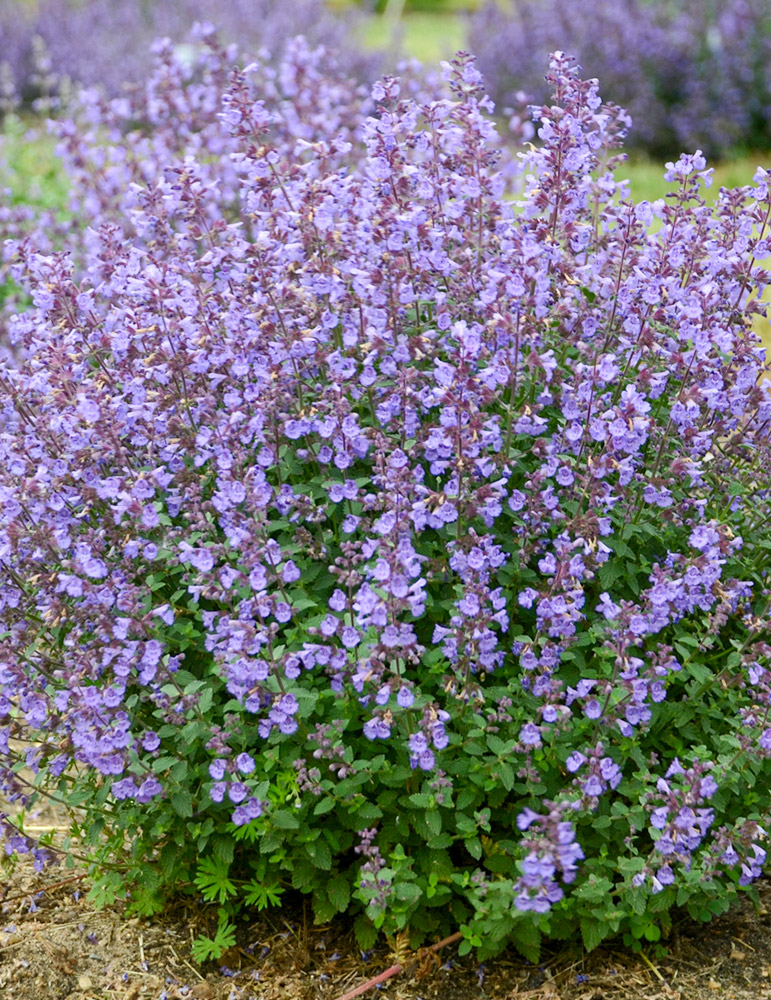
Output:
[[691, 74], [49, 44]]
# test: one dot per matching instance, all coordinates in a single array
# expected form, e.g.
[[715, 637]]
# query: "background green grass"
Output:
[[425, 36], [30, 173]]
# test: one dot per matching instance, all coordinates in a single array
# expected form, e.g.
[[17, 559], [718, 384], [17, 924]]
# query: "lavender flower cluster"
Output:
[[690, 74], [332, 480]]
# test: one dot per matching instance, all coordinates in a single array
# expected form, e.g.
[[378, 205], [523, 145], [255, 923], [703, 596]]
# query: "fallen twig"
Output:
[[651, 966], [395, 969], [47, 888]]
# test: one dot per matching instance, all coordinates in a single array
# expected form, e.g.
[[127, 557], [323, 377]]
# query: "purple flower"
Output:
[[607, 607], [530, 734], [593, 786], [244, 762], [237, 791], [350, 637], [151, 741], [200, 559], [290, 572], [405, 697], [376, 729], [575, 761], [425, 760], [665, 875], [126, 788], [217, 791], [148, 790]]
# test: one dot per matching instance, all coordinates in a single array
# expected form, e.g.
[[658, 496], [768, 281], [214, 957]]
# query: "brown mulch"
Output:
[[55, 946]]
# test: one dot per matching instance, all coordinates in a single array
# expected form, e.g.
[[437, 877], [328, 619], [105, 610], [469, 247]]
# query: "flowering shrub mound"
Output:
[[386, 541], [690, 74]]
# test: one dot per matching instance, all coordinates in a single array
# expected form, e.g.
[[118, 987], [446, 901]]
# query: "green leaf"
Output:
[[169, 856], [465, 824], [365, 931], [433, 820], [339, 892], [369, 812], [223, 848], [407, 891], [262, 895], [304, 874], [286, 820], [474, 847], [179, 771], [319, 853], [505, 773], [307, 702], [593, 931], [496, 744], [323, 908], [594, 889], [466, 797], [205, 948], [213, 882], [610, 573], [527, 939], [106, 890], [164, 763], [182, 803], [300, 603]]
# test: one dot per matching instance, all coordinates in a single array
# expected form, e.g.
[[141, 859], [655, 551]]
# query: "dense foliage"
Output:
[[368, 535], [692, 75]]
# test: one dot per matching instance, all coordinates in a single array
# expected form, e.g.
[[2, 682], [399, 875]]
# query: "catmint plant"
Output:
[[335, 484]]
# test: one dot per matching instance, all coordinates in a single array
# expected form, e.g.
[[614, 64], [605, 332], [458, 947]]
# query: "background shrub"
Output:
[[690, 75], [107, 43], [366, 535]]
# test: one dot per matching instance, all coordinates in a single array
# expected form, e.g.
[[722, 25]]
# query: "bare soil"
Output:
[[55, 946]]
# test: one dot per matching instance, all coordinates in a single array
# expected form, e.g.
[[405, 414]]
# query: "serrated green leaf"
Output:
[[163, 763], [407, 891], [593, 932], [339, 892], [474, 847], [496, 744], [182, 803], [433, 820], [365, 931], [505, 773], [179, 771], [527, 939], [223, 848], [285, 820], [320, 854]]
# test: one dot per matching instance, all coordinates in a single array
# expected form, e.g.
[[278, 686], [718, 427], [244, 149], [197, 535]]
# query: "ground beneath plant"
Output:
[[55, 946]]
